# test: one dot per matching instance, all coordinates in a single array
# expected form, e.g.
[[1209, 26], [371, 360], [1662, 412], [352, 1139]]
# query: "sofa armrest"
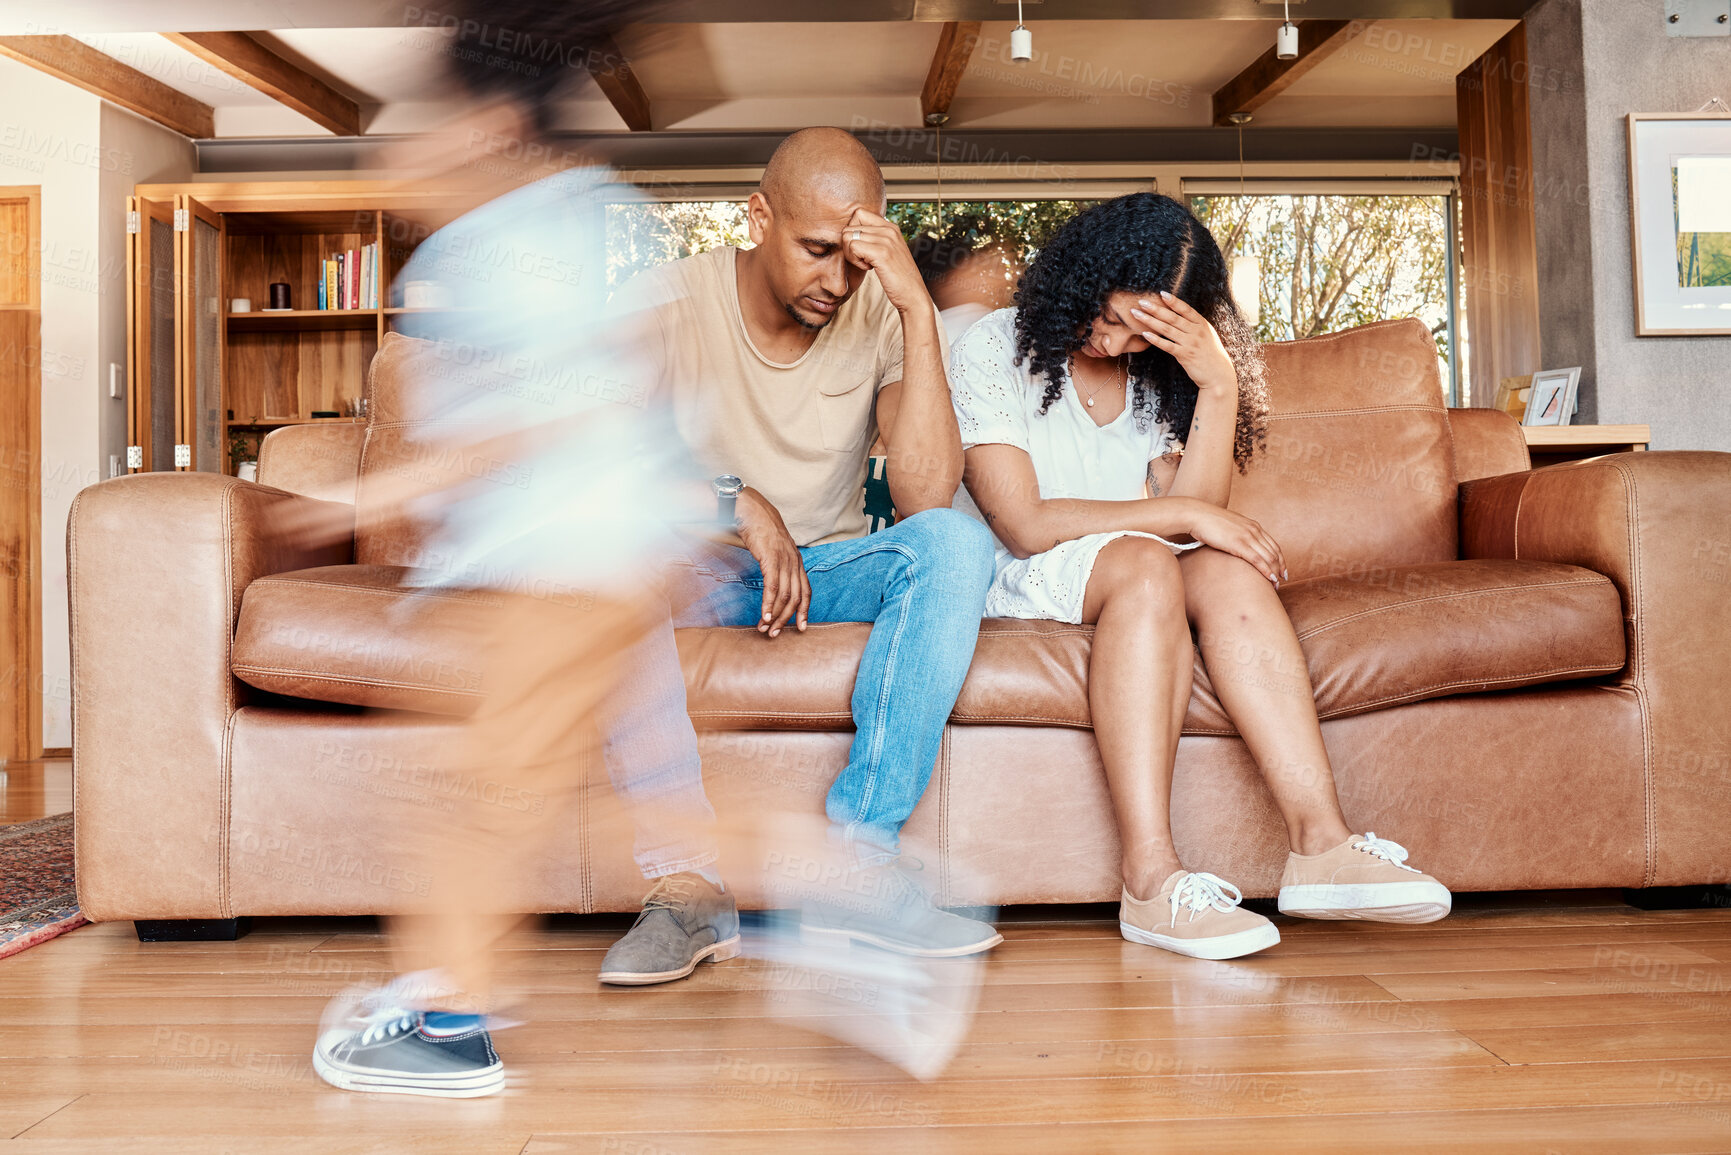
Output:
[[1656, 524], [157, 563]]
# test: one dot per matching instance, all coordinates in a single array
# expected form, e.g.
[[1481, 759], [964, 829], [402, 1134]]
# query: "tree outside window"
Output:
[[1332, 262], [1329, 262]]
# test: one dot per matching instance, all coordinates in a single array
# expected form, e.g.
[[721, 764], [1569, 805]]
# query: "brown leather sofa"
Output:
[[1522, 676]]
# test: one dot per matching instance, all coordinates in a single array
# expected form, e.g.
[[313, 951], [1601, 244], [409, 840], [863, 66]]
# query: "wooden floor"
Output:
[[1561, 1022], [32, 790]]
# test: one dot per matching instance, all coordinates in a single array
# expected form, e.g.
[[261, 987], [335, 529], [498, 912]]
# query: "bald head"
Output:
[[816, 166]]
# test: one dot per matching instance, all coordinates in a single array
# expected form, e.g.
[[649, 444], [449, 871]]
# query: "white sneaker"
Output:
[[1364, 878], [1196, 915]]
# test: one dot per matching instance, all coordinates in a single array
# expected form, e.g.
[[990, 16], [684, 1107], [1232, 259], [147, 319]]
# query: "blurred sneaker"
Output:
[[684, 921], [397, 1051], [1198, 915], [1363, 878], [883, 906]]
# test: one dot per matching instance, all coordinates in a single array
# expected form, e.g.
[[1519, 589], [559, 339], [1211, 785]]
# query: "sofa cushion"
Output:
[[355, 634], [1372, 637]]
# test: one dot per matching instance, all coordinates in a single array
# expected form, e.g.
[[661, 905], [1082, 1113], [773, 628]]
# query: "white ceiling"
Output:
[[734, 76]]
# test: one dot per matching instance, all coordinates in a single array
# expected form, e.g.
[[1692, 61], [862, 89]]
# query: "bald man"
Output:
[[783, 363]]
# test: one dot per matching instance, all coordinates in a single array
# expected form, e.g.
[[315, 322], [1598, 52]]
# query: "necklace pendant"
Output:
[[1090, 403]]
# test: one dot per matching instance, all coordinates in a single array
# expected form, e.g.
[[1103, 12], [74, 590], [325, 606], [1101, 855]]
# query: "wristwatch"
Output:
[[727, 489]]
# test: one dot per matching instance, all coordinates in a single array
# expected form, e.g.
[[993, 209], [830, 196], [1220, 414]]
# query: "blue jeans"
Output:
[[922, 583]]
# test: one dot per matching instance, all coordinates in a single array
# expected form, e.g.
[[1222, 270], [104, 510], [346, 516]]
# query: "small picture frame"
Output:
[[1512, 394], [1552, 400]]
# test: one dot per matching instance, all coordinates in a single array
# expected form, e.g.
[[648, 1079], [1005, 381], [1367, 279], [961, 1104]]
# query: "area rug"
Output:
[[37, 897]]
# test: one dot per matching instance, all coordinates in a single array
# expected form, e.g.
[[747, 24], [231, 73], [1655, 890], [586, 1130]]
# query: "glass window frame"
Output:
[[901, 188]]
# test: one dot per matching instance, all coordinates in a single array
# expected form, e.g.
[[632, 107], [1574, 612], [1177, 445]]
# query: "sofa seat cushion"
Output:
[[355, 634], [1372, 638]]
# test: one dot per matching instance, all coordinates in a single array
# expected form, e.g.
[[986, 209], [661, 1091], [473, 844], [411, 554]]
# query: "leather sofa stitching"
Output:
[[1292, 414], [789, 715], [346, 680], [1425, 693], [1637, 594], [1036, 719], [225, 848], [944, 815], [77, 659], [1455, 594], [406, 592]]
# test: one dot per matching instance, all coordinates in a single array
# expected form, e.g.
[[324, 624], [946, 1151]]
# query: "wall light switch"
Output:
[[116, 386], [114, 465]]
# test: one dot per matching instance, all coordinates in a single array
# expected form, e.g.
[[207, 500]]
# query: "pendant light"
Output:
[[1286, 40], [1245, 271], [1021, 40]]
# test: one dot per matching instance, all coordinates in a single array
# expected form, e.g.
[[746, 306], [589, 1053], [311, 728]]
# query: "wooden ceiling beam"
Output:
[[612, 73], [242, 56], [955, 46], [77, 63], [1268, 76]]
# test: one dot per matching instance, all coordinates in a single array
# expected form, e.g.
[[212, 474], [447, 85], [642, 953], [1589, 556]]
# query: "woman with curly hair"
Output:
[[1102, 420]]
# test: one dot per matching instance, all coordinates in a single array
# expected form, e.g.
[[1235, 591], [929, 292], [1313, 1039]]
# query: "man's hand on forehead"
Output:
[[870, 241]]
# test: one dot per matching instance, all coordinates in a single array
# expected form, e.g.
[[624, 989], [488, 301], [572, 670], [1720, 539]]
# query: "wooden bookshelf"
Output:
[[302, 320], [275, 367]]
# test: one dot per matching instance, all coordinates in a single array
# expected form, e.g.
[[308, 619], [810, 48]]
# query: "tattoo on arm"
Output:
[[1153, 482], [991, 519]]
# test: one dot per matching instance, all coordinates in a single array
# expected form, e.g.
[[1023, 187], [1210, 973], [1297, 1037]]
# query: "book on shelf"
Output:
[[350, 279]]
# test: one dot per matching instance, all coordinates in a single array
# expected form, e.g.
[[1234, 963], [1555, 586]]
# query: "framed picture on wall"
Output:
[[1552, 400], [1680, 217]]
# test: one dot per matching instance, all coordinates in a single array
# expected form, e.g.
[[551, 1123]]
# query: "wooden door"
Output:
[[200, 329], [150, 346], [20, 472]]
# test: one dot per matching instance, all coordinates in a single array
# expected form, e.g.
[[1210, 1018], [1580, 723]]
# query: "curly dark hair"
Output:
[[1143, 243]]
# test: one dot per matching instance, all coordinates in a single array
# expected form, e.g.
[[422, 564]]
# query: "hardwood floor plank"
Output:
[[1657, 971], [31, 790], [779, 1096], [275, 1061], [241, 1143], [267, 970], [20, 1109], [1578, 1131], [1490, 1031], [1695, 1038]]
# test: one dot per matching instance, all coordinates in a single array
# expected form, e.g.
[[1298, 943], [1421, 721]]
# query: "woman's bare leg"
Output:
[[1140, 662], [1257, 669]]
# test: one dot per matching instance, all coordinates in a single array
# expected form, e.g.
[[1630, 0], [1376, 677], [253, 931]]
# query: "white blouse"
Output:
[[998, 403]]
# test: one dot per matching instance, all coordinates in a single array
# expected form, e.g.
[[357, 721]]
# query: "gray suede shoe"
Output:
[[883, 907], [684, 921]]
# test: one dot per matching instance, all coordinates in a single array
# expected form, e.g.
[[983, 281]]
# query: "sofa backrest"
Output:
[[319, 461], [400, 458], [1358, 470]]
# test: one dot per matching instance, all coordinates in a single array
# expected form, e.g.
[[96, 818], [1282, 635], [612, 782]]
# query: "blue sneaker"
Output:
[[405, 1052]]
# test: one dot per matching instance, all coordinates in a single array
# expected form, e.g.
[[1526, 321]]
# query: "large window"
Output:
[[641, 235], [645, 234], [1020, 226], [1329, 262]]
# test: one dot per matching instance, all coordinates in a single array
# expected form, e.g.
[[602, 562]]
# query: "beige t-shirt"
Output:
[[797, 433]]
